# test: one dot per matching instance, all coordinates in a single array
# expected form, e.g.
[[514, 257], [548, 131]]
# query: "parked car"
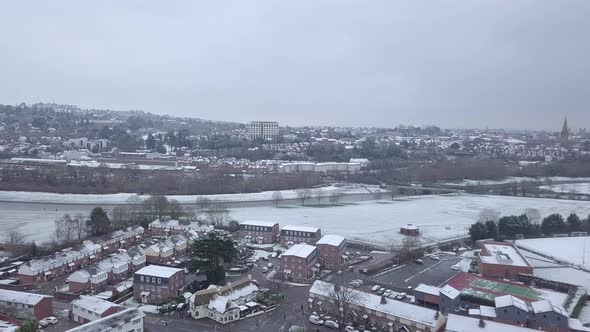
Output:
[[331, 324], [265, 258], [43, 323], [387, 293], [375, 288], [455, 268], [419, 261], [274, 255], [264, 269], [401, 296], [436, 258], [350, 329], [392, 295], [51, 319], [316, 320], [270, 265], [255, 282]]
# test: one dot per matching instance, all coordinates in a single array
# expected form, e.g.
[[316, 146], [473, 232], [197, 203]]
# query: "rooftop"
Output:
[[93, 304], [428, 289], [449, 291], [300, 250], [502, 253], [300, 228], [509, 300], [21, 297], [259, 223], [391, 307], [333, 240], [456, 323], [110, 323], [546, 306], [158, 271]]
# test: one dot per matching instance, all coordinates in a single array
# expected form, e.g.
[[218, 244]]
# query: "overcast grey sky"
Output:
[[512, 64]]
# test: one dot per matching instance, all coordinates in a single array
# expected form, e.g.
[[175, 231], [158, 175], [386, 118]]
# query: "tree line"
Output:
[[528, 224]]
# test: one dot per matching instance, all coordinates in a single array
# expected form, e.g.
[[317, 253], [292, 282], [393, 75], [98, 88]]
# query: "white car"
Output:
[[331, 324], [375, 288], [51, 319], [436, 258], [387, 293], [270, 265], [43, 323], [350, 329], [316, 320], [264, 269]]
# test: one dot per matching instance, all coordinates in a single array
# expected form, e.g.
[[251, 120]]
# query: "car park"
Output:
[[316, 320], [331, 324]]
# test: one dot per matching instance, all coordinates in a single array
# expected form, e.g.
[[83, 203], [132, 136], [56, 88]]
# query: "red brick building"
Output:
[[331, 250], [155, 284], [410, 229], [299, 234], [502, 260], [39, 306], [260, 232], [298, 263]]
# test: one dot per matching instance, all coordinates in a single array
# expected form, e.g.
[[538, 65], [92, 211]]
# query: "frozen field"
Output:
[[576, 188], [368, 220], [113, 199], [372, 221], [573, 250], [514, 179]]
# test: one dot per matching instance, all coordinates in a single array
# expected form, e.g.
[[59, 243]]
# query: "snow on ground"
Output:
[[465, 263], [512, 179], [575, 188], [121, 198], [584, 316], [572, 250], [565, 274], [553, 296], [381, 222]]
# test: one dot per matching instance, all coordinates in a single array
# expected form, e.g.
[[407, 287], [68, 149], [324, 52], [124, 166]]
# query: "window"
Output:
[[558, 318], [159, 280], [141, 278], [154, 280]]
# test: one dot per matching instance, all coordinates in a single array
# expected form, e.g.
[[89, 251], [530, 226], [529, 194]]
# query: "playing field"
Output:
[[506, 289]]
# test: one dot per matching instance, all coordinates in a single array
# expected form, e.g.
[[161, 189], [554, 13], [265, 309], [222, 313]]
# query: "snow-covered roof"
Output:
[[428, 289], [374, 302], [21, 297], [505, 254], [546, 306], [575, 325], [300, 250], [258, 223], [486, 311], [300, 228], [94, 304], [221, 303], [457, 323], [410, 227], [111, 322], [333, 240], [449, 291], [158, 271], [509, 300]]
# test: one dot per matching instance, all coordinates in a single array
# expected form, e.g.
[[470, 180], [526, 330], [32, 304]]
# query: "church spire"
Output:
[[565, 134]]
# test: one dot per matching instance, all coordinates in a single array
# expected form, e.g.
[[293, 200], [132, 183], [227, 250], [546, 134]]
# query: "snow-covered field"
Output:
[[573, 250], [367, 220], [576, 188], [121, 198], [380, 223], [513, 179]]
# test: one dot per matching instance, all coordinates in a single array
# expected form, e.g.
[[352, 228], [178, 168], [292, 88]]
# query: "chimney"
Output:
[[383, 300], [482, 323]]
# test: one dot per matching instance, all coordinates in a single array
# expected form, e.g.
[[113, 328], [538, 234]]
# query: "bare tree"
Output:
[[81, 223], [218, 216], [120, 215], [336, 196], [277, 197], [410, 247], [14, 237], [303, 195], [393, 191], [533, 214], [486, 215], [175, 209], [67, 229], [377, 195], [342, 299], [203, 203], [318, 194]]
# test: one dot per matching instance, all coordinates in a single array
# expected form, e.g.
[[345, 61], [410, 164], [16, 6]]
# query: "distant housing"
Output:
[[410, 229]]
